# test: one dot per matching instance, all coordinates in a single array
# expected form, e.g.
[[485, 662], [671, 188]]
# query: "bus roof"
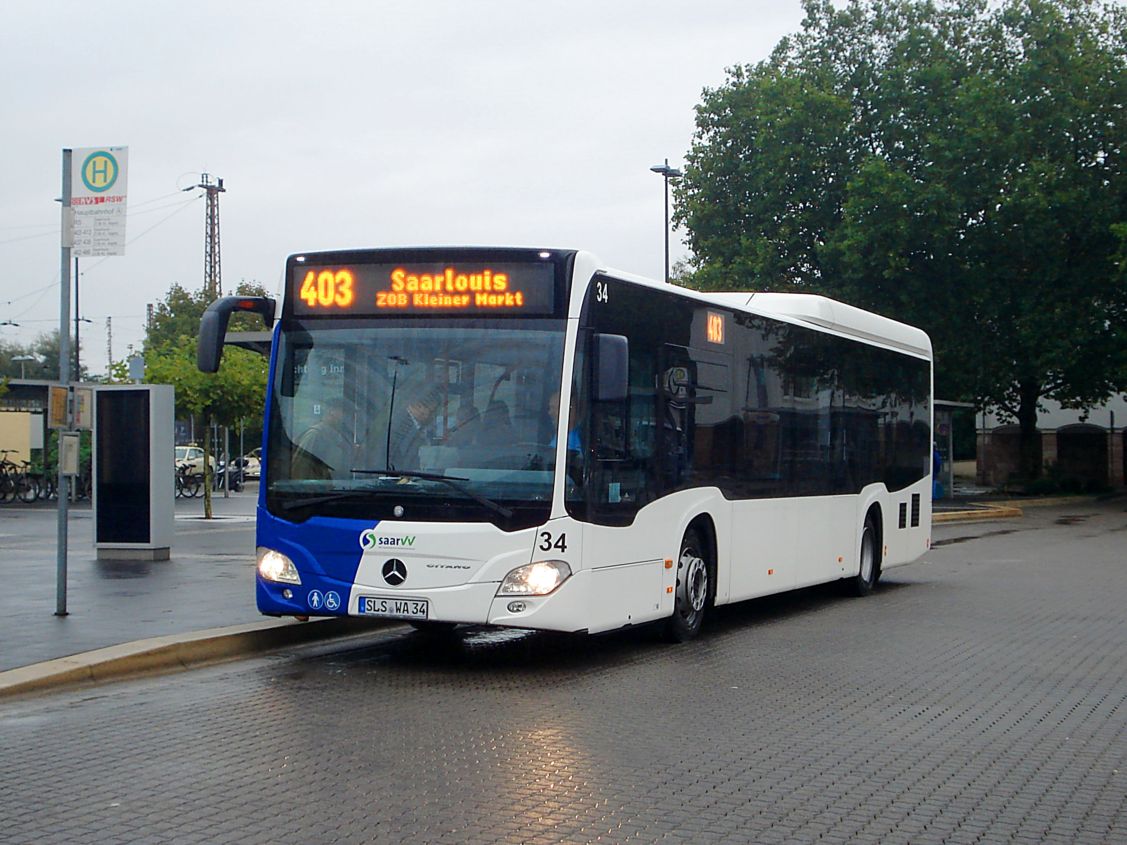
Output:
[[823, 312]]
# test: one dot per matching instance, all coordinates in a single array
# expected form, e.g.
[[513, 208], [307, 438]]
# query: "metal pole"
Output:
[[64, 378], [227, 461], [666, 172], [242, 451], [77, 368], [1111, 449], [665, 220]]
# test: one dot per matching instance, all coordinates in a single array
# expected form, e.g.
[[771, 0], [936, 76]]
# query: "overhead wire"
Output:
[[179, 207], [52, 228]]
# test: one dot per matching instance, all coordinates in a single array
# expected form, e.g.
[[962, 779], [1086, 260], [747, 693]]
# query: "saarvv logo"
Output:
[[370, 540]]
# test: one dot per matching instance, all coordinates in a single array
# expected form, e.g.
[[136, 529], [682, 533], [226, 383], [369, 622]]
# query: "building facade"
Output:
[[1081, 450]]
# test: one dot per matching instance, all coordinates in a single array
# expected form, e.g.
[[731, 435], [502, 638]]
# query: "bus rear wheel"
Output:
[[868, 570], [692, 590]]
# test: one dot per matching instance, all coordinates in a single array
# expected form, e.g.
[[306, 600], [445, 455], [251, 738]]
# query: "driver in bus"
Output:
[[413, 429]]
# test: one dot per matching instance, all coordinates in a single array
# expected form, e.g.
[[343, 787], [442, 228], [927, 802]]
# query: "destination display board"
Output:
[[393, 289]]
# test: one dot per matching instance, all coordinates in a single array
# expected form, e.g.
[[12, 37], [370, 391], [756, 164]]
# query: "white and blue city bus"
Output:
[[420, 464]]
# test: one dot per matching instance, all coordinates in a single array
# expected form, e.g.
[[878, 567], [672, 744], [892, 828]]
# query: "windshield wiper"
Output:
[[448, 480], [335, 496]]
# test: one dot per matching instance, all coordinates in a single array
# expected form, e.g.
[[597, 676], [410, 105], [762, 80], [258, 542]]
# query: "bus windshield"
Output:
[[450, 421]]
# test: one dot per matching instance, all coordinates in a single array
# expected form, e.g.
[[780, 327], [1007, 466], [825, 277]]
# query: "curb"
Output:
[[981, 513], [174, 652], [1008, 509]]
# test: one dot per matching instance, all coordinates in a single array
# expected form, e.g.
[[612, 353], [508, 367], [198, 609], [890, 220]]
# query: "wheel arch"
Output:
[[875, 512], [705, 525]]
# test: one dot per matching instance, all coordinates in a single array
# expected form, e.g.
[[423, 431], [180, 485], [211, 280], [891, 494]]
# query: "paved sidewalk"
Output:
[[207, 583], [126, 617]]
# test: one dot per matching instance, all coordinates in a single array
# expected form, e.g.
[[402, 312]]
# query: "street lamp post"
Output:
[[667, 173], [23, 359]]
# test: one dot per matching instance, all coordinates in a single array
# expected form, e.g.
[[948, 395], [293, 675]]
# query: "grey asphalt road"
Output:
[[978, 696]]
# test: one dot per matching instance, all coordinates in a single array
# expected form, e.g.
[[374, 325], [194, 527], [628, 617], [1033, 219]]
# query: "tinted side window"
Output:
[[760, 409], [822, 414]]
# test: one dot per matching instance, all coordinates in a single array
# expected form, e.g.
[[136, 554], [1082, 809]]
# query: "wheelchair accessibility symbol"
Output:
[[332, 601]]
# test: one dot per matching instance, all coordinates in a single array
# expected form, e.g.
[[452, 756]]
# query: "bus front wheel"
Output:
[[692, 590]]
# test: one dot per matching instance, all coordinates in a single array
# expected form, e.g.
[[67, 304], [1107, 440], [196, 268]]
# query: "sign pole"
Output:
[[64, 378]]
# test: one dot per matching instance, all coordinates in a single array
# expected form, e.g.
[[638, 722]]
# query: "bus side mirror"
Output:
[[612, 368], [213, 326]]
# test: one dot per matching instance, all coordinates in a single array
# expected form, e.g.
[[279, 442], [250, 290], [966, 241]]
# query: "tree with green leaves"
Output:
[[957, 165], [176, 319], [233, 395]]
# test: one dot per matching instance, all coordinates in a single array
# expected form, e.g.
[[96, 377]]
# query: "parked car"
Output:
[[250, 463], [192, 457]]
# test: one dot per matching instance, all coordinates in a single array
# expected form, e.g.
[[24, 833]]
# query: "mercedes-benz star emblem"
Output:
[[395, 572]]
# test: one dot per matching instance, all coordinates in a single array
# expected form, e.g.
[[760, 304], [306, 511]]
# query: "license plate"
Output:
[[394, 608]]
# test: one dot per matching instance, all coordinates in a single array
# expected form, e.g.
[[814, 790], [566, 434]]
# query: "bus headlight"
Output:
[[535, 579], [275, 566]]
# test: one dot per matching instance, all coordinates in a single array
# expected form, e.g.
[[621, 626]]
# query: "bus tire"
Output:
[[868, 569], [693, 588]]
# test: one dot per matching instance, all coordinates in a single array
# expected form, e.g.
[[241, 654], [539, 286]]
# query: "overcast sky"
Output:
[[350, 124]]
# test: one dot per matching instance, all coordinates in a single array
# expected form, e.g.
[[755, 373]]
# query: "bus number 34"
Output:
[[547, 542]]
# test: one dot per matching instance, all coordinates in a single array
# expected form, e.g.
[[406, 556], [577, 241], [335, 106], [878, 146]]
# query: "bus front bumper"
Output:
[[475, 604]]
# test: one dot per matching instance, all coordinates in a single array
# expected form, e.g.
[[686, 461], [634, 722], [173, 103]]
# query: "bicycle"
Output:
[[46, 484], [17, 480], [189, 485]]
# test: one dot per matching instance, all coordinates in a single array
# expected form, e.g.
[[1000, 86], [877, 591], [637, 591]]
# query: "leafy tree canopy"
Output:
[[957, 165], [234, 394], [177, 318], [236, 391]]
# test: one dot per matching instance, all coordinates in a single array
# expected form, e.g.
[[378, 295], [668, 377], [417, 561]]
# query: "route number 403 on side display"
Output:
[[526, 438]]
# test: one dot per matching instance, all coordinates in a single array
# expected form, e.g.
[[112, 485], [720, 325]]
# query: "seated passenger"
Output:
[[573, 441]]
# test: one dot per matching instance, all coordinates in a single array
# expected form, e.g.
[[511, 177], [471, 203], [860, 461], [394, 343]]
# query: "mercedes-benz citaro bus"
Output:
[[526, 438]]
